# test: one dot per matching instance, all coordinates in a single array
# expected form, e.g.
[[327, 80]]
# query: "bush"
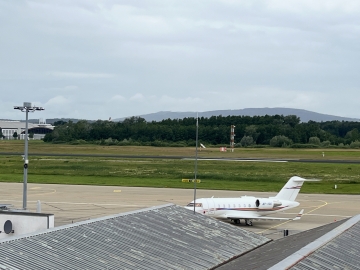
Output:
[[58, 142], [301, 145], [355, 144], [314, 140], [259, 146], [124, 142], [77, 142], [343, 146], [280, 141], [109, 141], [178, 144], [159, 143], [325, 144], [246, 141]]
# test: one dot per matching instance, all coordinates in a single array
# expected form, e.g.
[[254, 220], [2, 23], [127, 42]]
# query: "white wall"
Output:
[[25, 222]]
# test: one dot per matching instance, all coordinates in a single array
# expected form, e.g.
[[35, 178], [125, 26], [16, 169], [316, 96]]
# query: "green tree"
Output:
[[252, 132], [291, 120], [59, 123], [280, 141], [352, 136], [31, 135], [325, 143], [355, 144], [247, 141], [314, 140], [15, 135], [1, 134]]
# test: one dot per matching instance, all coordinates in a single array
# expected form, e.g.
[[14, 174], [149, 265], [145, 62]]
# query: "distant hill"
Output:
[[304, 115], [50, 120]]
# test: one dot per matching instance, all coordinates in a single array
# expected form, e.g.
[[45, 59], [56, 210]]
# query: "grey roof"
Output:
[[21, 125], [338, 249], [163, 237], [274, 252], [14, 125]]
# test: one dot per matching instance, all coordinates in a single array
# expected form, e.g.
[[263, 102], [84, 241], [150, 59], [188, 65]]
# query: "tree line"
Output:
[[277, 131]]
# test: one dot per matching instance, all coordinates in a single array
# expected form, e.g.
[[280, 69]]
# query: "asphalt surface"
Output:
[[73, 203]]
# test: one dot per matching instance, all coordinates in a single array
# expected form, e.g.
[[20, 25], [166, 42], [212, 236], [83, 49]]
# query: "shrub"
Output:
[[314, 140], [159, 143], [280, 141], [325, 144], [246, 141], [300, 145], [355, 144]]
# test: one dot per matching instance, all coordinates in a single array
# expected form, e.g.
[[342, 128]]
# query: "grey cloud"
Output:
[[179, 55]]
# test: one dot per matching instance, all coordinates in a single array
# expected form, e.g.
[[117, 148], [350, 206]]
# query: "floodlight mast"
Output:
[[27, 107]]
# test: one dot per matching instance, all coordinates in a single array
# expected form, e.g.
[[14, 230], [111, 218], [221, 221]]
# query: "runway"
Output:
[[73, 203]]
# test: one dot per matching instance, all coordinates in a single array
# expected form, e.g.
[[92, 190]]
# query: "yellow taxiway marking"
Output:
[[117, 190], [325, 203], [46, 193]]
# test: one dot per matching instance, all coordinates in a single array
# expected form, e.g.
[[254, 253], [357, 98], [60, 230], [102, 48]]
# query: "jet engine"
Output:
[[267, 203]]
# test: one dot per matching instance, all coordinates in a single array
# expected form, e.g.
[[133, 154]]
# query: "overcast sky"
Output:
[[100, 59]]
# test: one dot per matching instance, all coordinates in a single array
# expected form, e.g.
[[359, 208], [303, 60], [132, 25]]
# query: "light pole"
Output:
[[27, 107], [196, 157]]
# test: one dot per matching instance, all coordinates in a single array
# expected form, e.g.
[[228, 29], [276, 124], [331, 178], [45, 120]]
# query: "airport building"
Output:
[[39, 130]]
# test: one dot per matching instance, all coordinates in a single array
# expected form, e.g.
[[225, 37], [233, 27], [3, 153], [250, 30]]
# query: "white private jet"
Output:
[[249, 207]]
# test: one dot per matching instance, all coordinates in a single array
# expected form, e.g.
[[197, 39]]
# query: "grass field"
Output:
[[232, 175]]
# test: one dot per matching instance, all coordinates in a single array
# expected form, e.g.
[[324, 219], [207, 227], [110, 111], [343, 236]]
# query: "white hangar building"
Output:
[[39, 130]]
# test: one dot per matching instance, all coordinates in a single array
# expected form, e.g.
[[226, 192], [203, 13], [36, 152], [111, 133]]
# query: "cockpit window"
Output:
[[196, 205]]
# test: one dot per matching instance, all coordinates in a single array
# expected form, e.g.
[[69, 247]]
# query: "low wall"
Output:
[[18, 223]]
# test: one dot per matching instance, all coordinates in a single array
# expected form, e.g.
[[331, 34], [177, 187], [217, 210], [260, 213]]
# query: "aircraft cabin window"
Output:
[[249, 205]]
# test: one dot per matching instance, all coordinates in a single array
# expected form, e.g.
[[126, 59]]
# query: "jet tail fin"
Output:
[[292, 188]]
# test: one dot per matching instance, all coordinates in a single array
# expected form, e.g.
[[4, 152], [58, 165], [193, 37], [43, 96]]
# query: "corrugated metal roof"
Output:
[[337, 249], [342, 252], [164, 237], [276, 251]]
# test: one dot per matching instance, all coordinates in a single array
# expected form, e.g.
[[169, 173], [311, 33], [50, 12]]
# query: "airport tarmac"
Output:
[[73, 203]]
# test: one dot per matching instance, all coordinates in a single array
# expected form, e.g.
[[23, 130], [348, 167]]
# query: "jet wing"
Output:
[[254, 216]]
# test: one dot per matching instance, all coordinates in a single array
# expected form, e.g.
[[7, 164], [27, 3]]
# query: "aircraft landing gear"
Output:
[[236, 221], [248, 222]]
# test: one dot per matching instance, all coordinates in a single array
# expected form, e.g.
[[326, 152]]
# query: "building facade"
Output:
[[8, 128]]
